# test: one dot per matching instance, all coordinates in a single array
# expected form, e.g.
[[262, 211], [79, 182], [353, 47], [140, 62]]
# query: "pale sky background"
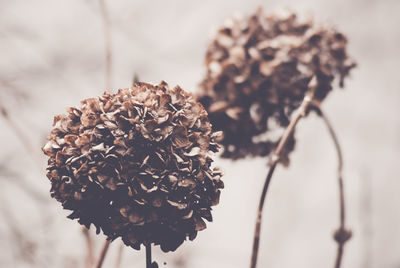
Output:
[[52, 56]]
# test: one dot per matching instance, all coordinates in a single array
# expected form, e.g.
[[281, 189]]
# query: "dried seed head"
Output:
[[258, 71], [136, 164]]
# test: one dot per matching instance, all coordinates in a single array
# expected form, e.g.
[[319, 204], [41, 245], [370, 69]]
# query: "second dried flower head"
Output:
[[258, 70], [137, 165]]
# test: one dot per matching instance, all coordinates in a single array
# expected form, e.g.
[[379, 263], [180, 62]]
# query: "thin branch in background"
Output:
[[19, 133], [4, 113], [108, 44], [180, 261], [103, 253], [89, 245], [298, 114], [342, 235], [27, 247], [14, 178], [16, 92]]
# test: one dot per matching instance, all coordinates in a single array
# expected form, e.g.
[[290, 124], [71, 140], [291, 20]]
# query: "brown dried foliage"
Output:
[[258, 69], [136, 164]]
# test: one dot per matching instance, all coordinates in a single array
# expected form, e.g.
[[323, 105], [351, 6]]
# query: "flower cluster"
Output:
[[258, 70], [136, 164]]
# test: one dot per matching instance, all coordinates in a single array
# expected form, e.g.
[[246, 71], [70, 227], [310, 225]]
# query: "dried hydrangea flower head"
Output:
[[258, 70], [136, 164]]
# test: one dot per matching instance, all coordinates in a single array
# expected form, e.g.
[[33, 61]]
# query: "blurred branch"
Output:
[[103, 252], [14, 178], [24, 140], [19, 134], [26, 247], [181, 260], [108, 47], [17, 93], [89, 244]]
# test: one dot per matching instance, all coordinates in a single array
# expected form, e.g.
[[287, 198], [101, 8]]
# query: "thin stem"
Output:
[[148, 255], [342, 234], [107, 36], [89, 245], [103, 253], [299, 113]]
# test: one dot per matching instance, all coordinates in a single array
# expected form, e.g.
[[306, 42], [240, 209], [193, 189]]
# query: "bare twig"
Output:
[[20, 182], [342, 234], [26, 246], [103, 253], [89, 257], [298, 114], [107, 36], [16, 92], [20, 134]]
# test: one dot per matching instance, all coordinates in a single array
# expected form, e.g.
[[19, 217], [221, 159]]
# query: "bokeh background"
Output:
[[52, 55]]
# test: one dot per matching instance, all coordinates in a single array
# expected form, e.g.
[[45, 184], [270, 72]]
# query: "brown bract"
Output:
[[136, 164], [258, 69]]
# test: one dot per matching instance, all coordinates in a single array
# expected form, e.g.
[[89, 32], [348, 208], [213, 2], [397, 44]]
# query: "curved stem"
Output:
[[103, 253], [299, 113], [342, 234]]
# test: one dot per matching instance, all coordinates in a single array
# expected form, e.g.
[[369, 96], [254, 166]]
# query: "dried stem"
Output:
[[342, 234], [89, 245], [107, 36], [149, 263], [298, 114], [148, 255], [103, 253]]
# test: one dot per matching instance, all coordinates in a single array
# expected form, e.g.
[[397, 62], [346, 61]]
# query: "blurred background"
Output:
[[52, 55]]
